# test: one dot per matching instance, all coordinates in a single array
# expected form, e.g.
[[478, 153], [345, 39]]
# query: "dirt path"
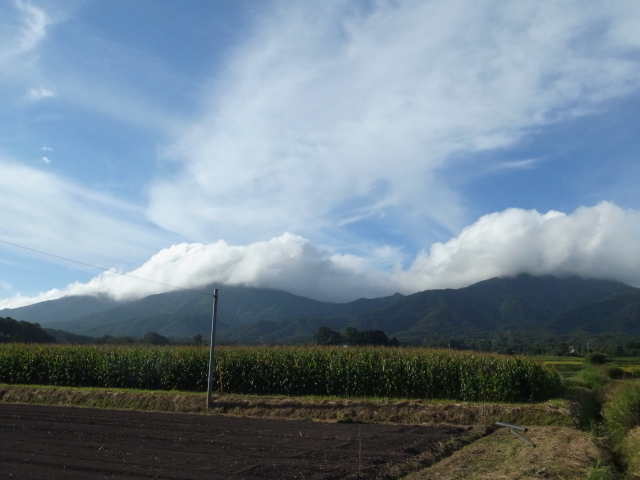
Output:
[[43, 442]]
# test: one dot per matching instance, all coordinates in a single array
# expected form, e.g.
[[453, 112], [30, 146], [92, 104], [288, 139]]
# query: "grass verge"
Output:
[[622, 422], [622, 410], [558, 412], [630, 450]]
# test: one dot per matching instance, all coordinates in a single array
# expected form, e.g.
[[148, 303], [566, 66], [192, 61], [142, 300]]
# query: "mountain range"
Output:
[[549, 305]]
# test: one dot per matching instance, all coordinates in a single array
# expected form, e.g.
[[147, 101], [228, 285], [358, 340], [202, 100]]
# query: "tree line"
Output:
[[532, 343], [353, 336]]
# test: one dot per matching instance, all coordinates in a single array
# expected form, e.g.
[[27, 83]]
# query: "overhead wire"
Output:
[[106, 269]]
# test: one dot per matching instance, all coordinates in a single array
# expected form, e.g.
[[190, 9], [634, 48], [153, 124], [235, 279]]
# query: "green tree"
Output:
[[327, 336], [155, 339]]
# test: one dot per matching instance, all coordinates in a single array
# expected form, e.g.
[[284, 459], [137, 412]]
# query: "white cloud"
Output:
[[45, 212], [47, 149], [331, 114], [35, 94], [46, 160], [601, 241]]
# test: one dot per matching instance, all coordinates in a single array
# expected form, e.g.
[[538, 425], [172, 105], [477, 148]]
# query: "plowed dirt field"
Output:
[[43, 442]]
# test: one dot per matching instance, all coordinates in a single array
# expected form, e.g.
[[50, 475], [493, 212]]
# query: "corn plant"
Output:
[[324, 371]]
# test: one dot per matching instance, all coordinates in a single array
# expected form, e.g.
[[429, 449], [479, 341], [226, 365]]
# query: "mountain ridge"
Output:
[[544, 304]]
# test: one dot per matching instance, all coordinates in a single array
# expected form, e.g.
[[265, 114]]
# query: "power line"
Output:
[[106, 269]]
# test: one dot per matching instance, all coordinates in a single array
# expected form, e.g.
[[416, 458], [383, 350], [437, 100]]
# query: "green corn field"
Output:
[[323, 371]]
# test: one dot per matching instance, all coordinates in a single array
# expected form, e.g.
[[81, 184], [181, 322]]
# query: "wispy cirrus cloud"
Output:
[[43, 211], [524, 164], [34, 25], [337, 118], [98, 75], [24, 26], [119, 82]]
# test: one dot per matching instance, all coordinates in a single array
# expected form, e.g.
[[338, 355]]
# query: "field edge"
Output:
[[556, 412]]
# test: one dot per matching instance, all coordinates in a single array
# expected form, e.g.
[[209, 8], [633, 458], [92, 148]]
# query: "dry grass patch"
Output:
[[560, 453]]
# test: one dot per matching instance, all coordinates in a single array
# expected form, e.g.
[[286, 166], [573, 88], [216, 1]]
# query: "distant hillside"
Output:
[[521, 303], [618, 313], [23, 332], [61, 309], [182, 314], [65, 337], [544, 305]]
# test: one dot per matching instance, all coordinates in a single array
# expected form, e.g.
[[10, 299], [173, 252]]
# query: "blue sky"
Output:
[[336, 149]]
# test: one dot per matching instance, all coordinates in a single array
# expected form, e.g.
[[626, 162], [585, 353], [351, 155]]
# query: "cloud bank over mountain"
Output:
[[592, 242], [600, 241]]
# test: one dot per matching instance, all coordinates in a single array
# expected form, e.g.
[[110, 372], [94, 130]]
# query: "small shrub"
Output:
[[597, 358], [615, 372]]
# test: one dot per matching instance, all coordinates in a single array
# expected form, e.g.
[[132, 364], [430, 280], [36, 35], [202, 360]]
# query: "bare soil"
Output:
[[52, 442]]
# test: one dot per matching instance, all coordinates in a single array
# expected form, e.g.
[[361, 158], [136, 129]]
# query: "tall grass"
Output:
[[324, 371], [622, 419], [622, 412], [594, 377], [630, 450]]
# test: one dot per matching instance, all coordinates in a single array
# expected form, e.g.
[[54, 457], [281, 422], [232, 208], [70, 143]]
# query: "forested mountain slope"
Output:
[[546, 304]]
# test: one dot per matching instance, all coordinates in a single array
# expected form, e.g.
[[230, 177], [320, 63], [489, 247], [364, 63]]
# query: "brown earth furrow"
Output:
[[55, 442]]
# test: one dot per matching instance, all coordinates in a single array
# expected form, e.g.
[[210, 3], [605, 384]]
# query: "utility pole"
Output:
[[212, 346]]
